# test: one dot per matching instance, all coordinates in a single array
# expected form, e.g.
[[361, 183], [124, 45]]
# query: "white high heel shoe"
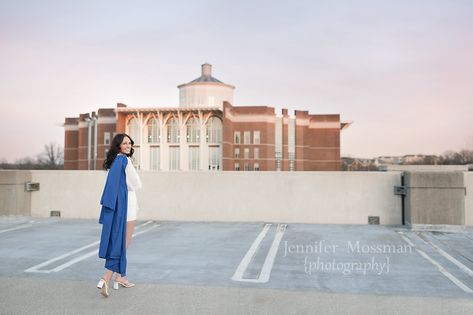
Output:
[[126, 284], [103, 286]]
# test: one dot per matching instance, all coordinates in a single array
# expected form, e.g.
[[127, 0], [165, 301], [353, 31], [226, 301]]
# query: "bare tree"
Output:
[[52, 156], [466, 156], [457, 158]]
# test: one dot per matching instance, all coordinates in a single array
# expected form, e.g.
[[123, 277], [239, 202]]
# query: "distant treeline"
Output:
[[462, 157], [50, 159]]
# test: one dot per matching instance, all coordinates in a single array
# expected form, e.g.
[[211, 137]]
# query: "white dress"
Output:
[[133, 183]]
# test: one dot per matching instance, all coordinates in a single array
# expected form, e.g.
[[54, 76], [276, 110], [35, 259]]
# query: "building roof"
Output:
[[206, 75], [206, 78], [165, 109]]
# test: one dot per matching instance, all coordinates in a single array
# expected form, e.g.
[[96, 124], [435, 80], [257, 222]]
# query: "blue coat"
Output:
[[114, 203]]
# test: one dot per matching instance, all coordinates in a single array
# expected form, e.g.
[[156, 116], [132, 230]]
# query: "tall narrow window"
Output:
[[237, 166], [174, 158], [193, 131], [256, 137], [278, 143], [237, 153], [173, 131], [246, 137], [153, 131], [247, 167], [214, 158], [214, 130], [106, 138], [256, 153], [236, 137], [194, 158], [291, 143], [247, 153], [154, 158], [256, 167], [134, 130]]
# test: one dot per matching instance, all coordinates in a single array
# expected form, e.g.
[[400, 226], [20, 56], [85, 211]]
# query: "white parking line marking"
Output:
[[144, 224], [447, 274], [238, 275], [74, 261], [92, 253], [80, 258], [464, 268], [35, 268], [24, 226], [268, 262]]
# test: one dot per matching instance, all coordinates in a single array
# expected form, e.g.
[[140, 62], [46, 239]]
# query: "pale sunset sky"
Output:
[[402, 71]]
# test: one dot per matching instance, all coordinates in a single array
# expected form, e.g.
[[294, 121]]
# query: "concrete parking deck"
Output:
[[51, 266]]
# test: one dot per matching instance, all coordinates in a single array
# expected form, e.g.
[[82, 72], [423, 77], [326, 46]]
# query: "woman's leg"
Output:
[[108, 275], [104, 286], [130, 227]]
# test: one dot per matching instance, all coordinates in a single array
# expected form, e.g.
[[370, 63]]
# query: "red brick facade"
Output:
[[316, 138], [77, 155]]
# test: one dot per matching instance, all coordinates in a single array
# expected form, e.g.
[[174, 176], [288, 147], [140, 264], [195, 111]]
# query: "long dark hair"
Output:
[[115, 149]]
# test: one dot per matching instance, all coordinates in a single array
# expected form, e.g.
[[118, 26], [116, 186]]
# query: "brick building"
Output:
[[206, 132]]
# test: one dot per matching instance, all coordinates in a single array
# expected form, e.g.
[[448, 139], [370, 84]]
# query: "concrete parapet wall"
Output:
[[315, 197], [75, 193], [468, 178], [435, 198], [14, 200], [424, 168], [307, 197]]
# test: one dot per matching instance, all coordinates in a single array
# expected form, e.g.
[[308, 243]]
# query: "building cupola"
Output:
[[205, 91]]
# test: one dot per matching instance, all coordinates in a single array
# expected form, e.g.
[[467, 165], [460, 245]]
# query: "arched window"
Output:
[[193, 131], [154, 133], [214, 130], [173, 131], [134, 130]]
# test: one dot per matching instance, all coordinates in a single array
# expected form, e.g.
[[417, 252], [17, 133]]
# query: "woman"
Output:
[[119, 209]]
